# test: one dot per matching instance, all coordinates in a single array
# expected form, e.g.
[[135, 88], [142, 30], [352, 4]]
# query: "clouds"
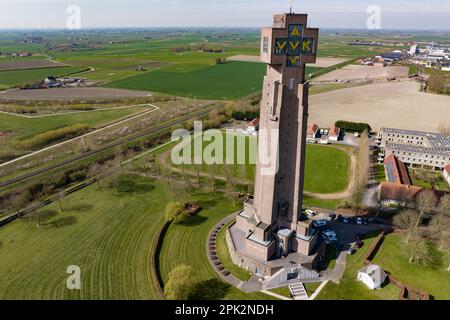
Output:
[[146, 13]]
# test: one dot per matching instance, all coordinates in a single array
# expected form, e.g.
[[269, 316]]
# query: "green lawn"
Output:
[[351, 289], [380, 174], [19, 77], [109, 236], [225, 258], [327, 167], [184, 243], [435, 280]]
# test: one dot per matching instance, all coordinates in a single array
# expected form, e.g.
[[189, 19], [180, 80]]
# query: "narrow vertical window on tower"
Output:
[[266, 45], [275, 93]]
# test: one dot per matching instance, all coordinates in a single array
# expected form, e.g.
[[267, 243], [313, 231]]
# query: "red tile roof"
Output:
[[447, 168], [312, 129], [254, 122], [334, 131], [396, 170], [399, 192]]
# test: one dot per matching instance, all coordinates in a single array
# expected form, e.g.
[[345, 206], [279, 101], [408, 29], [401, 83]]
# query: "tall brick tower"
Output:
[[271, 220]]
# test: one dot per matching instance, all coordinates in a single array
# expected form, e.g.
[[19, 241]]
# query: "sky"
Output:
[[394, 14]]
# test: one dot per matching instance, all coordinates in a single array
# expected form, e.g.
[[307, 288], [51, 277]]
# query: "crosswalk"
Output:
[[298, 291]]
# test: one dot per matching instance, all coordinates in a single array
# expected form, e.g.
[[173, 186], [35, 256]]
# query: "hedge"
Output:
[[353, 126]]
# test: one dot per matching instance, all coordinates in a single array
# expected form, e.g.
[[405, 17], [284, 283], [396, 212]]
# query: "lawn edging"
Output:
[[156, 249]]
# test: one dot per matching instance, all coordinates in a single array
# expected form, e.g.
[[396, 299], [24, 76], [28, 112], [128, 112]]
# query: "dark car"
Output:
[[374, 220], [351, 251], [332, 216], [359, 244], [339, 218]]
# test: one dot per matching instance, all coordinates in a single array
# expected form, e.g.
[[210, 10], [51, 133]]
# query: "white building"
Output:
[[372, 276]]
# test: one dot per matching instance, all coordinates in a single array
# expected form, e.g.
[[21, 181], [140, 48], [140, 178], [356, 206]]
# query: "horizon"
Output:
[[341, 14]]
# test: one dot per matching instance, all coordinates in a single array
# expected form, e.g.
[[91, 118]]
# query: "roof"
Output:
[[396, 170], [312, 129], [398, 192], [447, 168], [254, 122], [374, 272], [334, 131]]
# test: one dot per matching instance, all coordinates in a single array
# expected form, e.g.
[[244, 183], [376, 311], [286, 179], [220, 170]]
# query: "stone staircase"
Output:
[[298, 291]]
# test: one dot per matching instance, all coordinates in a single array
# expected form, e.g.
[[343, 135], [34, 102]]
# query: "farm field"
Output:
[[18, 77], [392, 104], [434, 279], [228, 81], [72, 93], [98, 231], [28, 64], [327, 167], [357, 72]]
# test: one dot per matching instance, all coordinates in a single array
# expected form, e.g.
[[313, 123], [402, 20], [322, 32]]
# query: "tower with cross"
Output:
[[271, 221]]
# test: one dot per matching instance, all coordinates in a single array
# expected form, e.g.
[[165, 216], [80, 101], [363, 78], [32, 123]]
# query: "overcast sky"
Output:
[[395, 14]]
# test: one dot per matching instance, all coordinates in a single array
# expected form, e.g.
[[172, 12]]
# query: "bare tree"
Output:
[[21, 201], [425, 203], [59, 197], [406, 220], [419, 251], [230, 182], [444, 205]]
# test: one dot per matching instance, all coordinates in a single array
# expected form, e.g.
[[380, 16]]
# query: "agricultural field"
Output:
[[15, 78], [20, 64], [227, 81]]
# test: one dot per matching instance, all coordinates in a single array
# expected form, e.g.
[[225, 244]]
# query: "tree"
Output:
[[406, 220], [173, 211], [444, 205], [59, 197], [362, 172], [212, 177], [419, 251], [230, 182], [21, 201], [425, 204], [182, 281]]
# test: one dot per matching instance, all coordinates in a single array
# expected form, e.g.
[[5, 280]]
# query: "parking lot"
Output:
[[346, 233]]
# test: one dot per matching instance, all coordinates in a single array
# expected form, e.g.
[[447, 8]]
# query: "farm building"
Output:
[[372, 276], [253, 126], [334, 134], [311, 133]]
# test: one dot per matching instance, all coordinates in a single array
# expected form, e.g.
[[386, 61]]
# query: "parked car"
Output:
[[365, 222], [332, 216], [339, 218], [351, 251], [359, 244], [310, 213], [331, 240], [329, 233], [320, 223], [359, 220], [374, 220], [345, 220]]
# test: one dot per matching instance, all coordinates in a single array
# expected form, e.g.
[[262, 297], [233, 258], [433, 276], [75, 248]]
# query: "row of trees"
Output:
[[362, 171]]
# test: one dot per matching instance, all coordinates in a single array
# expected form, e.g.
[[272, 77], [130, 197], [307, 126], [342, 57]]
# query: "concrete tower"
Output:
[[270, 221]]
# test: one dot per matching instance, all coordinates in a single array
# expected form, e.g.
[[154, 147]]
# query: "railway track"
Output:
[[162, 128]]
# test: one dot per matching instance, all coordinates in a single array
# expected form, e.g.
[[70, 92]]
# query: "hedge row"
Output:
[[353, 126]]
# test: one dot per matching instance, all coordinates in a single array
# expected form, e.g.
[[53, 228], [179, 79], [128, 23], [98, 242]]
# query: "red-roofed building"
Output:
[[399, 194], [253, 126], [334, 133], [311, 133], [396, 171], [447, 174]]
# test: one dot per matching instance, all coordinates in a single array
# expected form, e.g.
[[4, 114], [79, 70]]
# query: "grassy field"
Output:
[[184, 243], [351, 289], [107, 235], [327, 167], [434, 279], [428, 179], [18, 77]]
